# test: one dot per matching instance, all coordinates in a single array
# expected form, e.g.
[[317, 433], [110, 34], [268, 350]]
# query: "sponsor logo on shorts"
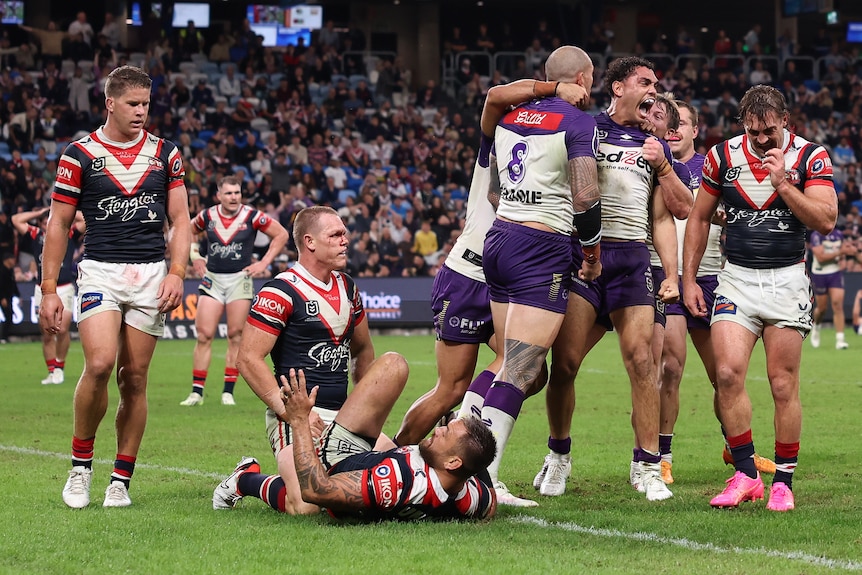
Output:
[[207, 282], [90, 300], [724, 306], [465, 325]]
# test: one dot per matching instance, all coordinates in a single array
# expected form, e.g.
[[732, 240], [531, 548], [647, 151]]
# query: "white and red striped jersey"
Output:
[[230, 240]]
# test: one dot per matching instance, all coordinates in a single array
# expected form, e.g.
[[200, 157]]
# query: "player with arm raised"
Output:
[[774, 185]]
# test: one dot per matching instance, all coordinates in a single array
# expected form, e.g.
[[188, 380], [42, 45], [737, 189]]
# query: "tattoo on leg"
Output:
[[523, 362]]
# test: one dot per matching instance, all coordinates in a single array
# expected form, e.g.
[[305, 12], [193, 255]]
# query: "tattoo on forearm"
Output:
[[340, 491], [523, 362], [583, 179]]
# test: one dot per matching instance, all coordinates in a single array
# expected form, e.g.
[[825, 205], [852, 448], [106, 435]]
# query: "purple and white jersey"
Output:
[[466, 256], [831, 243], [534, 144], [626, 180], [710, 265]]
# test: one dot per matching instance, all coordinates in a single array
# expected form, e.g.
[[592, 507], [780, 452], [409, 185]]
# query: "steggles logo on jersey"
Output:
[[333, 355], [126, 208], [755, 218], [231, 251]]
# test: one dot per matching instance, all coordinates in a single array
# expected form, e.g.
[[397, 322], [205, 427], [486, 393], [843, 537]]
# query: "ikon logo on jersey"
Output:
[[383, 485], [724, 306], [90, 300]]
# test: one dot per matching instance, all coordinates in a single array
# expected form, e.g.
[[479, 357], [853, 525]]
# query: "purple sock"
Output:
[[561, 446], [482, 383], [639, 454], [664, 443], [506, 398]]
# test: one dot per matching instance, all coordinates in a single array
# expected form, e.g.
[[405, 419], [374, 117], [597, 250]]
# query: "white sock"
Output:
[[501, 425]]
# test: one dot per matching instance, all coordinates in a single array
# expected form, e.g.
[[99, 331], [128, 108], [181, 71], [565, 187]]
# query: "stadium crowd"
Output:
[[321, 125]]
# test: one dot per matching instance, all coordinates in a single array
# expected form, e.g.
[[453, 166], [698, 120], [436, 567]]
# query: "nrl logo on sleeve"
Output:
[[311, 308]]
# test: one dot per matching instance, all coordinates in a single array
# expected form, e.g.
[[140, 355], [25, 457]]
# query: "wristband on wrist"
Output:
[[48, 286], [592, 254], [544, 89], [664, 168], [178, 270]]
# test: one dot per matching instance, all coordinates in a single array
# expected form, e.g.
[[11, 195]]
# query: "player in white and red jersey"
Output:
[[460, 299], [443, 477], [55, 346], [311, 318], [773, 184], [679, 319], [129, 186], [230, 229]]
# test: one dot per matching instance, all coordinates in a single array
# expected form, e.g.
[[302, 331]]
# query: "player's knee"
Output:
[[671, 373], [100, 367], [727, 376], [564, 370], [395, 366]]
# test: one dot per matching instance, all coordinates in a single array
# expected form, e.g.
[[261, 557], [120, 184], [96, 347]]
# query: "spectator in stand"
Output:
[[751, 41], [455, 43], [190, 41], [483, 41], [82, 27], [51, 40], [425, 241], [759, 75], [202, 94], [220, 51], [111, 31], [180, 94], [843, 154], [229, 85]]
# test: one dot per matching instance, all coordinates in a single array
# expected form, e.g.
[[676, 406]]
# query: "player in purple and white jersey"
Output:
[[774, 185], [543, 179], [460, 299], [637, 185], [55, 346], [827, 278], [230, 229], [443, 477], [310, 318], [128, 184]]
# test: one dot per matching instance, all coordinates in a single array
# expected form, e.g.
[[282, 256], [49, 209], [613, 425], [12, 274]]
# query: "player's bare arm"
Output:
[[170, 294], [56, 242], [693, 246], [500, 98], [19, 220], [816, 206], [361, 351], [278, 237], [494, 185], [251, 360], [665, 242], [342, 491], [199, 262], [677, 195], [586, 201], [822, 255]]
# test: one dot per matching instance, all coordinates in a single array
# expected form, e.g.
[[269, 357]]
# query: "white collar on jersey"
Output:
[[100, 133], [306, 275], [785, 143]]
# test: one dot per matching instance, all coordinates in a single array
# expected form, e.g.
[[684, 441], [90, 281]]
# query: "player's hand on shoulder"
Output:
[[574, 94]]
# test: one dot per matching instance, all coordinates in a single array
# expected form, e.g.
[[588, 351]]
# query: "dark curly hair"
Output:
[[621, 68]]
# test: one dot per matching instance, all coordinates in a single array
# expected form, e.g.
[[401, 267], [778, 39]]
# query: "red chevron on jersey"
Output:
[[338, 315], [126, 167]]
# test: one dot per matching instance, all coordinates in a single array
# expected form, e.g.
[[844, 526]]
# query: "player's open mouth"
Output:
[[646, 106]]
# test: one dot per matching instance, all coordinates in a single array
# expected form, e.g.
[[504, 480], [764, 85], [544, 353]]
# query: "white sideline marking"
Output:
[[573, 527], [693, 545], [178, 470]]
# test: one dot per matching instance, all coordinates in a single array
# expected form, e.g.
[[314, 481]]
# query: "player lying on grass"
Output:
[[440, 478]]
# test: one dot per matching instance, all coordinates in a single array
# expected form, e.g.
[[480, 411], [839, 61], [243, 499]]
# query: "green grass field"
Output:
[[601, 525]]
